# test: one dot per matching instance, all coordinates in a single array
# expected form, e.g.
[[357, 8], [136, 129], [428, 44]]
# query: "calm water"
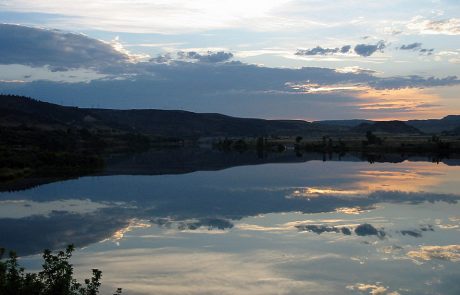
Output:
[[313, 227]]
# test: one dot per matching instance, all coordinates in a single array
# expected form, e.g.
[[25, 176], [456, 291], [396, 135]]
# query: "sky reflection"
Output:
[[305, 228]]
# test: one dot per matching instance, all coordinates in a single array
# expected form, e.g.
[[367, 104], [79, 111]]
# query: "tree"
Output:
[[372, 138], [56, 278]]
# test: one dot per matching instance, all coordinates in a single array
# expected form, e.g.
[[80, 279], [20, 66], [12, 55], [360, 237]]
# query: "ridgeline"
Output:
[[43, 139]]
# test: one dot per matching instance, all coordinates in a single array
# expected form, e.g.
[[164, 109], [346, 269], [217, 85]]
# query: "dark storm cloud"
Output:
[[369, 49], [59, 50]]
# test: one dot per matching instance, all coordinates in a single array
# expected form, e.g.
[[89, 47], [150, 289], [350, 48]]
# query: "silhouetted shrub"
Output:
[[56, 278]]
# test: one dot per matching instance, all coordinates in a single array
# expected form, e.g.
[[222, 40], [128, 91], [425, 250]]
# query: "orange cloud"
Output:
[[408, 102]]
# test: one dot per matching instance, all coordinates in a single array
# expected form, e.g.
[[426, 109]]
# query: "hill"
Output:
[[447, 123], [344, 123], [17, 111], [430, 126], [390, 127]]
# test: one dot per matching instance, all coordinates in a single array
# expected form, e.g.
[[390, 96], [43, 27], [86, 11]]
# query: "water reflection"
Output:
[[299, 228]]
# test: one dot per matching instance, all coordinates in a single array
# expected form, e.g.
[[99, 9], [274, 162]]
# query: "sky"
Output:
[[275, 59]]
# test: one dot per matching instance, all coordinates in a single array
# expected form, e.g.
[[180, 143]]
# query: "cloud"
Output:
[[369, 49], [368, 230], [364, 50], [318, 50], [413, 82], [63, 228], [424, 26], [160, 17], [417, 233], [411, 233], [194, 80], [425, 51], [345, 49], [319, 229], [360, 230], [355, 70], [373, 289], [425, 253], [210, 57], [417, 47], [412, 46], [59, 50]]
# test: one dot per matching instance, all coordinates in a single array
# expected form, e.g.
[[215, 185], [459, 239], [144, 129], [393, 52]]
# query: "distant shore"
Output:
[[381, 143]]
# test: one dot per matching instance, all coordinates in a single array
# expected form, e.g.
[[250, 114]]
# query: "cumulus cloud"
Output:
[[59, 50], [369, 49]]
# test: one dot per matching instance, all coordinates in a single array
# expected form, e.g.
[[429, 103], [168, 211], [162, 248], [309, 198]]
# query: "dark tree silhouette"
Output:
[[56, 278]]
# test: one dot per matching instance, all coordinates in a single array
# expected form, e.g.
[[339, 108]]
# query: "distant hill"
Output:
[[344, 123], [391, 127], [453, 132], [447, 123], [17, 110]]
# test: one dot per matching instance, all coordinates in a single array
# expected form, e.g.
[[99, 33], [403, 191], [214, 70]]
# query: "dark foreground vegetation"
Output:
[[56, 277]]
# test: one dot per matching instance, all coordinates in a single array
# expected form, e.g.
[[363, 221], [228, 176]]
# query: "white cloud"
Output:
[[160, 16], [425, 26]]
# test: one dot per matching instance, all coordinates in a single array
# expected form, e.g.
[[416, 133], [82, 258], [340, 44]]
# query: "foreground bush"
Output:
[[56, 278]]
